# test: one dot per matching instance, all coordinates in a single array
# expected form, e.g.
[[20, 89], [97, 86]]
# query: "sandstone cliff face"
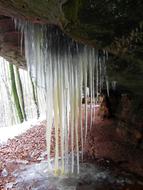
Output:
[[116, 26], [113, 25], [10, 43]]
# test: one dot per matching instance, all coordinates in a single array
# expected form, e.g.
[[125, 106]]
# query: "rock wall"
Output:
[[10, 43], [116, 26]]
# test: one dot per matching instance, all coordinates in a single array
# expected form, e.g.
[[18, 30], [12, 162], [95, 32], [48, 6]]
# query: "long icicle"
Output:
[[91, 86], [63, 68], [85, 93], [76, 117], [80, 103], [56, 121]]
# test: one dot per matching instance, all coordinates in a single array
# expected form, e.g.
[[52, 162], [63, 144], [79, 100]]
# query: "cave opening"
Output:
[[92, 136]]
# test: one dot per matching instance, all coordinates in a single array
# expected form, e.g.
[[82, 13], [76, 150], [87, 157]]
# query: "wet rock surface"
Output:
[[110, 176], [92, 176]]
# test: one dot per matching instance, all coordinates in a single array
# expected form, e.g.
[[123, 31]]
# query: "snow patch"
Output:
[[16, 130]]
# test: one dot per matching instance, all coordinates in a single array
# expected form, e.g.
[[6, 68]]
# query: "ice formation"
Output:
[[64, 69]]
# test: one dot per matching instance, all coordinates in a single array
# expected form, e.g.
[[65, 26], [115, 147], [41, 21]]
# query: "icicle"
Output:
[[66, 118], [85, 91], [100, 73], [72, 121], [76, 111], [80, 103], [97, 77], [62, 67], [91, 66], [106, 76], [49, 115]]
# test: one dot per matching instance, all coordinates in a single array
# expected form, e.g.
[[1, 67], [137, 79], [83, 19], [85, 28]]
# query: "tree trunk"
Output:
[[21, 95], [15, 94]]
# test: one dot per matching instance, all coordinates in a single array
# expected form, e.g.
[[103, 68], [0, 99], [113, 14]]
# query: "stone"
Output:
[[4, 173], [9, 185], [9, 43], [42, 156], [109, 29], [38, 177]]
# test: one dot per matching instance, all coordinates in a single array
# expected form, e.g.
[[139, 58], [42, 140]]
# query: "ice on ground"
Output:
[[16, 130], [38, 177]]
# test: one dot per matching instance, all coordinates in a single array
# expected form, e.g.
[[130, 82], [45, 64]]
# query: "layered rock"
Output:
[[116, 26], [10, 43]]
